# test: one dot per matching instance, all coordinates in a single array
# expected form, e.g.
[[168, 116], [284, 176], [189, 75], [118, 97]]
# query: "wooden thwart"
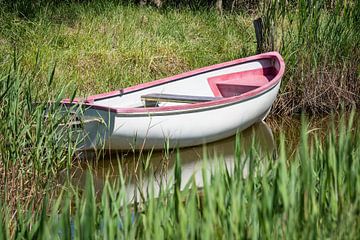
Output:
[[159, 97]]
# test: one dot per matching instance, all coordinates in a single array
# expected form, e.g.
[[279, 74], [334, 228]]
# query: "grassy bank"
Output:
[[106, 46]]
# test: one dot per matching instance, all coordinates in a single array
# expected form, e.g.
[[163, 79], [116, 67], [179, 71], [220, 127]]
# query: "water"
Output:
[[141, 170]]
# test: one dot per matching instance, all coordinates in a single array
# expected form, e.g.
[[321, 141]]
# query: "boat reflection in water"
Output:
[[141, 170]]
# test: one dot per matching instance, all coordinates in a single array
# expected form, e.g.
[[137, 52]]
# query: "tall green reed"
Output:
[[318, 41], [33, 147], [313, 194]]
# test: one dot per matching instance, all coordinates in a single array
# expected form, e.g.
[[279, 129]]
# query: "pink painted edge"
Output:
[[213, 81], [89, 101]]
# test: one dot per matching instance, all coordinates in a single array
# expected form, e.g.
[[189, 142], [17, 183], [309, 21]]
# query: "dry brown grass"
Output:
[[329, 88]]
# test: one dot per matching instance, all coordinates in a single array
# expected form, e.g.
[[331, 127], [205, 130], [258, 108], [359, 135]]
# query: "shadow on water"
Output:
[[139, 169]]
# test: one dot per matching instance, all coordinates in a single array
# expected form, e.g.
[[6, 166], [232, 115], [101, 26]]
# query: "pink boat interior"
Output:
[[235, 84]]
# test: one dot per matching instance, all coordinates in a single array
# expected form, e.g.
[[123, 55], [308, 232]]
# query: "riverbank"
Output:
[[99, 47]]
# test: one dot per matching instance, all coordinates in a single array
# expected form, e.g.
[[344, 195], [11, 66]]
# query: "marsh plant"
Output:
[[318, 40], [313, 194], [33, 146]]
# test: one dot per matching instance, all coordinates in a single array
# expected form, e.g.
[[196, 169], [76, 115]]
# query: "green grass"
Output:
[[318, 40], [32, 147], [110, 46], [106, 46]]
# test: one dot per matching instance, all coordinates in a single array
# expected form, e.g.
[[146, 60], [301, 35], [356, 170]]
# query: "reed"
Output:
[[32, 145], [314, 194], [318, 40]]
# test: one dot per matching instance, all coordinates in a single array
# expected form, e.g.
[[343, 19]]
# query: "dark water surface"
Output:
[[140, 168]]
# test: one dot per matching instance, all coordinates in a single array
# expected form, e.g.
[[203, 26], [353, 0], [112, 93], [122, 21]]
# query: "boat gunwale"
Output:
[[90, 101], [193, 110]]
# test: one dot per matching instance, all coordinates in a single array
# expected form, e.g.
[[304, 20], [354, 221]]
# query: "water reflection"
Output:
[[139, 169]]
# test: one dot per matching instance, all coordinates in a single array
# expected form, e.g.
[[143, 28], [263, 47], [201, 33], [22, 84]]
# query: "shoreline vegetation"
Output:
[[312, 192], [103, 46], [57, 49]]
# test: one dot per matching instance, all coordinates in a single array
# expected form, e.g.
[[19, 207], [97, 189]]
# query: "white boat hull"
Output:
[[121, 131], [181, 125]]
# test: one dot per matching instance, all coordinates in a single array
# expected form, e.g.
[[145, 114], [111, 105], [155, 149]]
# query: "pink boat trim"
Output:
[[255, 77], [90, 101]]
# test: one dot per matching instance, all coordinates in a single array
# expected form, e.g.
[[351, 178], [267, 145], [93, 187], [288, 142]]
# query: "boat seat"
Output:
[[160, 97], [237, 83], [231, 90]]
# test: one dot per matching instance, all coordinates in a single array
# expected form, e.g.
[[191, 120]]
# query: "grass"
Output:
[[31, 150], [110, 46], [320, 53], [106, 46]]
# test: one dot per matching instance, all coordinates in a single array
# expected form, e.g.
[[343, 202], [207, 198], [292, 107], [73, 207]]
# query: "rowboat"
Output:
[[193, 108]]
